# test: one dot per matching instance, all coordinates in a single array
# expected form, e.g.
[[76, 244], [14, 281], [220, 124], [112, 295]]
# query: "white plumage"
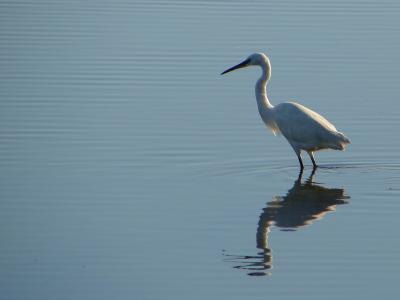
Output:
[[303, 128]]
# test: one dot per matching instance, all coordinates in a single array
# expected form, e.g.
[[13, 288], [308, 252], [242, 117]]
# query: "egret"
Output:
[[303, 128]]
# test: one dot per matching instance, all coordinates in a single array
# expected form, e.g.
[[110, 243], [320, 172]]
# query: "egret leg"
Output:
[[311, 154], [298, 153], [301, 162]]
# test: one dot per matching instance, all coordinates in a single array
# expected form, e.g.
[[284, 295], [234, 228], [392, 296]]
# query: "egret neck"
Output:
[[264, 106]]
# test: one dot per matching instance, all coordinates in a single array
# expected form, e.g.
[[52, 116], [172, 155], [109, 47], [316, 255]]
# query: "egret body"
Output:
[[303, 128]]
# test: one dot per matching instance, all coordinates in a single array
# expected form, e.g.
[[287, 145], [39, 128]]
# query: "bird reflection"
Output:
[[303, 204]]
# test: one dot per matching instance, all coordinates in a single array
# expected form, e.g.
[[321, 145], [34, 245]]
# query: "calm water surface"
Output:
[[129, 169]]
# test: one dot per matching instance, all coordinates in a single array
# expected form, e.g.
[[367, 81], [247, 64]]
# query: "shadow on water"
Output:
[[303, 204]]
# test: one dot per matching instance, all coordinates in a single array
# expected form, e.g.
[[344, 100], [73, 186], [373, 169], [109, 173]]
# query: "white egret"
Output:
[[303, 128]]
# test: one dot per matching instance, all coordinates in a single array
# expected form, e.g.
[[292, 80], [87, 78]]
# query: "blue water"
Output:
[[130, 169]]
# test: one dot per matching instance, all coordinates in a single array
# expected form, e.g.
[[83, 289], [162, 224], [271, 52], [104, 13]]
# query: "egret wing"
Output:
[[303, 126]]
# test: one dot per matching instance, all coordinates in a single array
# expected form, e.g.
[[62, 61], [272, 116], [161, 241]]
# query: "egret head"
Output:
[[256, 59]]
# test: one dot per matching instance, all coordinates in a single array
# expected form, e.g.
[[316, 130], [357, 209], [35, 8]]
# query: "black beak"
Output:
[[241, 65]]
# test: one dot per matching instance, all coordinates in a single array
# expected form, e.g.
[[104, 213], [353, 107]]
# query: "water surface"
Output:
[[129, 169]]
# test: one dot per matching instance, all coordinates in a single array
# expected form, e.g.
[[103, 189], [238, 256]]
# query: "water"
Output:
[[129, 169]]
